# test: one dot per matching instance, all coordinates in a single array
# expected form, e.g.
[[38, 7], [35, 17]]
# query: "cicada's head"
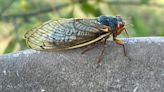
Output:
[[115, 23], [120, 23]]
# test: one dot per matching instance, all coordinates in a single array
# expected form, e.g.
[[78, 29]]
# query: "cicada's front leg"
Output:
[[119, 42], [120, 30]]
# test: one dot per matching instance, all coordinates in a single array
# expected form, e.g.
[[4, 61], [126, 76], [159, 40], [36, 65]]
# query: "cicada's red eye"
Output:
[[119, 25]]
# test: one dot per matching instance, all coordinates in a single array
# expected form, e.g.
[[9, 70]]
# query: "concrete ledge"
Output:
[[69, 71]]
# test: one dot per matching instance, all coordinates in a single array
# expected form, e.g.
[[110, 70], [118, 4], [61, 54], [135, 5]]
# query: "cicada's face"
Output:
[[120, 23]]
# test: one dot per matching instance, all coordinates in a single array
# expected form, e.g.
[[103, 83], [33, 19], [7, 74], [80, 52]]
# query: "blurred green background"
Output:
[[143, 17]]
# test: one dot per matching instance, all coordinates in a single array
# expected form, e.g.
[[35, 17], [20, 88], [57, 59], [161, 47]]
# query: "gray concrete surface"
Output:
[[69, 71]]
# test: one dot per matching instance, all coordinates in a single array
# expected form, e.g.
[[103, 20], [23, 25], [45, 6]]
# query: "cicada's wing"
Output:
[[65, 34]]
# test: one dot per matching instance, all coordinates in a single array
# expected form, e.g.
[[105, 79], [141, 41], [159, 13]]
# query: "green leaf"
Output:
[[89, 9], [22, 44], [140, 28], [69, 14], [162, 32], [11, 46], [112, 10], [144, 1]]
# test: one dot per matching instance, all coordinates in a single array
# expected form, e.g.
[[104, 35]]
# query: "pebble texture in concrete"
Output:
[[142, 70]]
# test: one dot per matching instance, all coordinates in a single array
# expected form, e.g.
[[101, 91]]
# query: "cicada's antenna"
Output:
[[127, 18], [127, 23]]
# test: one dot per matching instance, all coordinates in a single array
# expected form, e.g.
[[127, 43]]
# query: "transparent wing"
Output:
[[64, 34]]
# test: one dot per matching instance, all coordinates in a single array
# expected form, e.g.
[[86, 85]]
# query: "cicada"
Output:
[[73, 33]]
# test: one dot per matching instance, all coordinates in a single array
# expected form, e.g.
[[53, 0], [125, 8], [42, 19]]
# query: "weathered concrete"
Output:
[[69, 71]]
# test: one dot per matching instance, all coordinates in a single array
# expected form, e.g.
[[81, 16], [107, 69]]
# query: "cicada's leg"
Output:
[[119, 42], [88, 48], [102, 52], [119, 31]]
